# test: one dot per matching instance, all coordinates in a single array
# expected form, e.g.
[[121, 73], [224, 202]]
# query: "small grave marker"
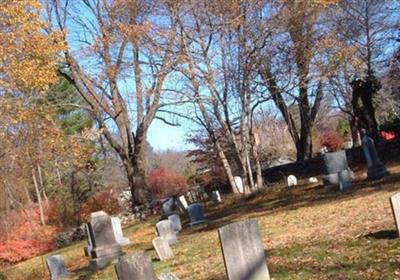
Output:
[[136, 266], [165, 231], [395, 203], [162, 248], [196, 214], [118, 234], [56, 267], [175, 221]]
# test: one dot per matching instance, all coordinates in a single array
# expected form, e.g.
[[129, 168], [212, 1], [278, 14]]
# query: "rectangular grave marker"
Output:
[[136, 266], [395, 203], [56, 267], [243, 251], [162, 248]]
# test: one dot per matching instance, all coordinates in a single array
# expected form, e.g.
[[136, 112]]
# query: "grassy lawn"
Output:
[[309, 232]]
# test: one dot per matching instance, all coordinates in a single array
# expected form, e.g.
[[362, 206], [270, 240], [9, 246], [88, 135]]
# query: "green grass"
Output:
[[308, 232]]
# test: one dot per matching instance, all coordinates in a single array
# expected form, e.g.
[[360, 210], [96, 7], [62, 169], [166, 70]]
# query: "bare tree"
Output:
[[119, 56]]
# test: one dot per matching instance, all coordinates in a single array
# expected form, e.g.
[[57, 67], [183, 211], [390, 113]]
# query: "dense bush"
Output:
[[23, 236], [164, 182], [331, 140], [105, 200]]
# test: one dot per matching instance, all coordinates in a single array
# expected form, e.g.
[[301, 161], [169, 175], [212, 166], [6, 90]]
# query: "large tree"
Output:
[[119, 57]]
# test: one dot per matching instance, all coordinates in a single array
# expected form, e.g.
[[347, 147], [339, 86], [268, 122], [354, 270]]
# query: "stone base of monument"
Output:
[[102, 257], [377, 171]]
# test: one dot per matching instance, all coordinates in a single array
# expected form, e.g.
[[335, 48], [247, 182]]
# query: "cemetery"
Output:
[[200, 140]]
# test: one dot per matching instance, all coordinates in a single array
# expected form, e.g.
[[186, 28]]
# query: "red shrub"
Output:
[[331, 140], [25, 236], [164, 182], [105, 200]]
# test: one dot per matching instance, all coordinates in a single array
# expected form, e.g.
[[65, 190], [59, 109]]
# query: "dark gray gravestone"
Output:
[[243, 251], [167, 276], [168, 207], [196, 214], [136, 266], [395, 203], [175, 221], [165, 231], [162, 248], [376, 169], [105, 247], [56, 266]]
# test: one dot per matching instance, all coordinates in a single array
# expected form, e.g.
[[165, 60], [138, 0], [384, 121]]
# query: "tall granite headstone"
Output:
[[175, 221], [243, 251], [162, 248], [395, 203], [376, 169], [165, 231], [56, 267], [136, 266], [105, 247], [196, 214], [118, 234]]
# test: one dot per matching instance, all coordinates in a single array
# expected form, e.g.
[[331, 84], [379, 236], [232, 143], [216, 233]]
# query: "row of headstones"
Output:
[[241, 245]]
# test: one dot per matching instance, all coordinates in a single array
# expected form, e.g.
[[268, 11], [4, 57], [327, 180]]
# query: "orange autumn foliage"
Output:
[[164, 182], [22, 236]]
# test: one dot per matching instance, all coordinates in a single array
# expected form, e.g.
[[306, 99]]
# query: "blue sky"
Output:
[[163, 137]]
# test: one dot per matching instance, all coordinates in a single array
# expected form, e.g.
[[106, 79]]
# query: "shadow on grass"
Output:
[[284, 199], [383, 234]]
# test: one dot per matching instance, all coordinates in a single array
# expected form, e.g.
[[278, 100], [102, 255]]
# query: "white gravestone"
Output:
[[239, 183], [183, 201], [291, 181], [165, 230], [395, 203], [216, 196], [119, 236], [162, 248]]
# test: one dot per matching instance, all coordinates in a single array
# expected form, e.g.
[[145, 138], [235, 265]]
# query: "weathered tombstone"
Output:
[[313, 180], [335, 162], [175, 221], [344, 180], [239, 183], [165, 230], [291, 181], [376, 169], [162, 248], [56, 267], [168, 207], [183, 202], [243, 251], [136, 266], [105, 247], [395, 203], [196, 214], [118, 234], [89, 247], [167, 276], [216, 196]]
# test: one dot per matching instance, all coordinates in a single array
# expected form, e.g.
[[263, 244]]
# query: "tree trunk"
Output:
[[39, 198], [227, 167], [42, 188], [256, 156]]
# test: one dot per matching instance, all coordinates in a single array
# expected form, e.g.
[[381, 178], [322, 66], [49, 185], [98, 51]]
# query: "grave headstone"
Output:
[[136, 266], [175, 221], [183, 202], [165, 231], [105, 247], [168, 207], [335, 162], [291, 181], [243, 251], [395, 203], [239, 183], [376, 169], [167, 276], [196, 214], [56, 267], [162, 248], [313, 180], [118, 234], [216, 196]]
